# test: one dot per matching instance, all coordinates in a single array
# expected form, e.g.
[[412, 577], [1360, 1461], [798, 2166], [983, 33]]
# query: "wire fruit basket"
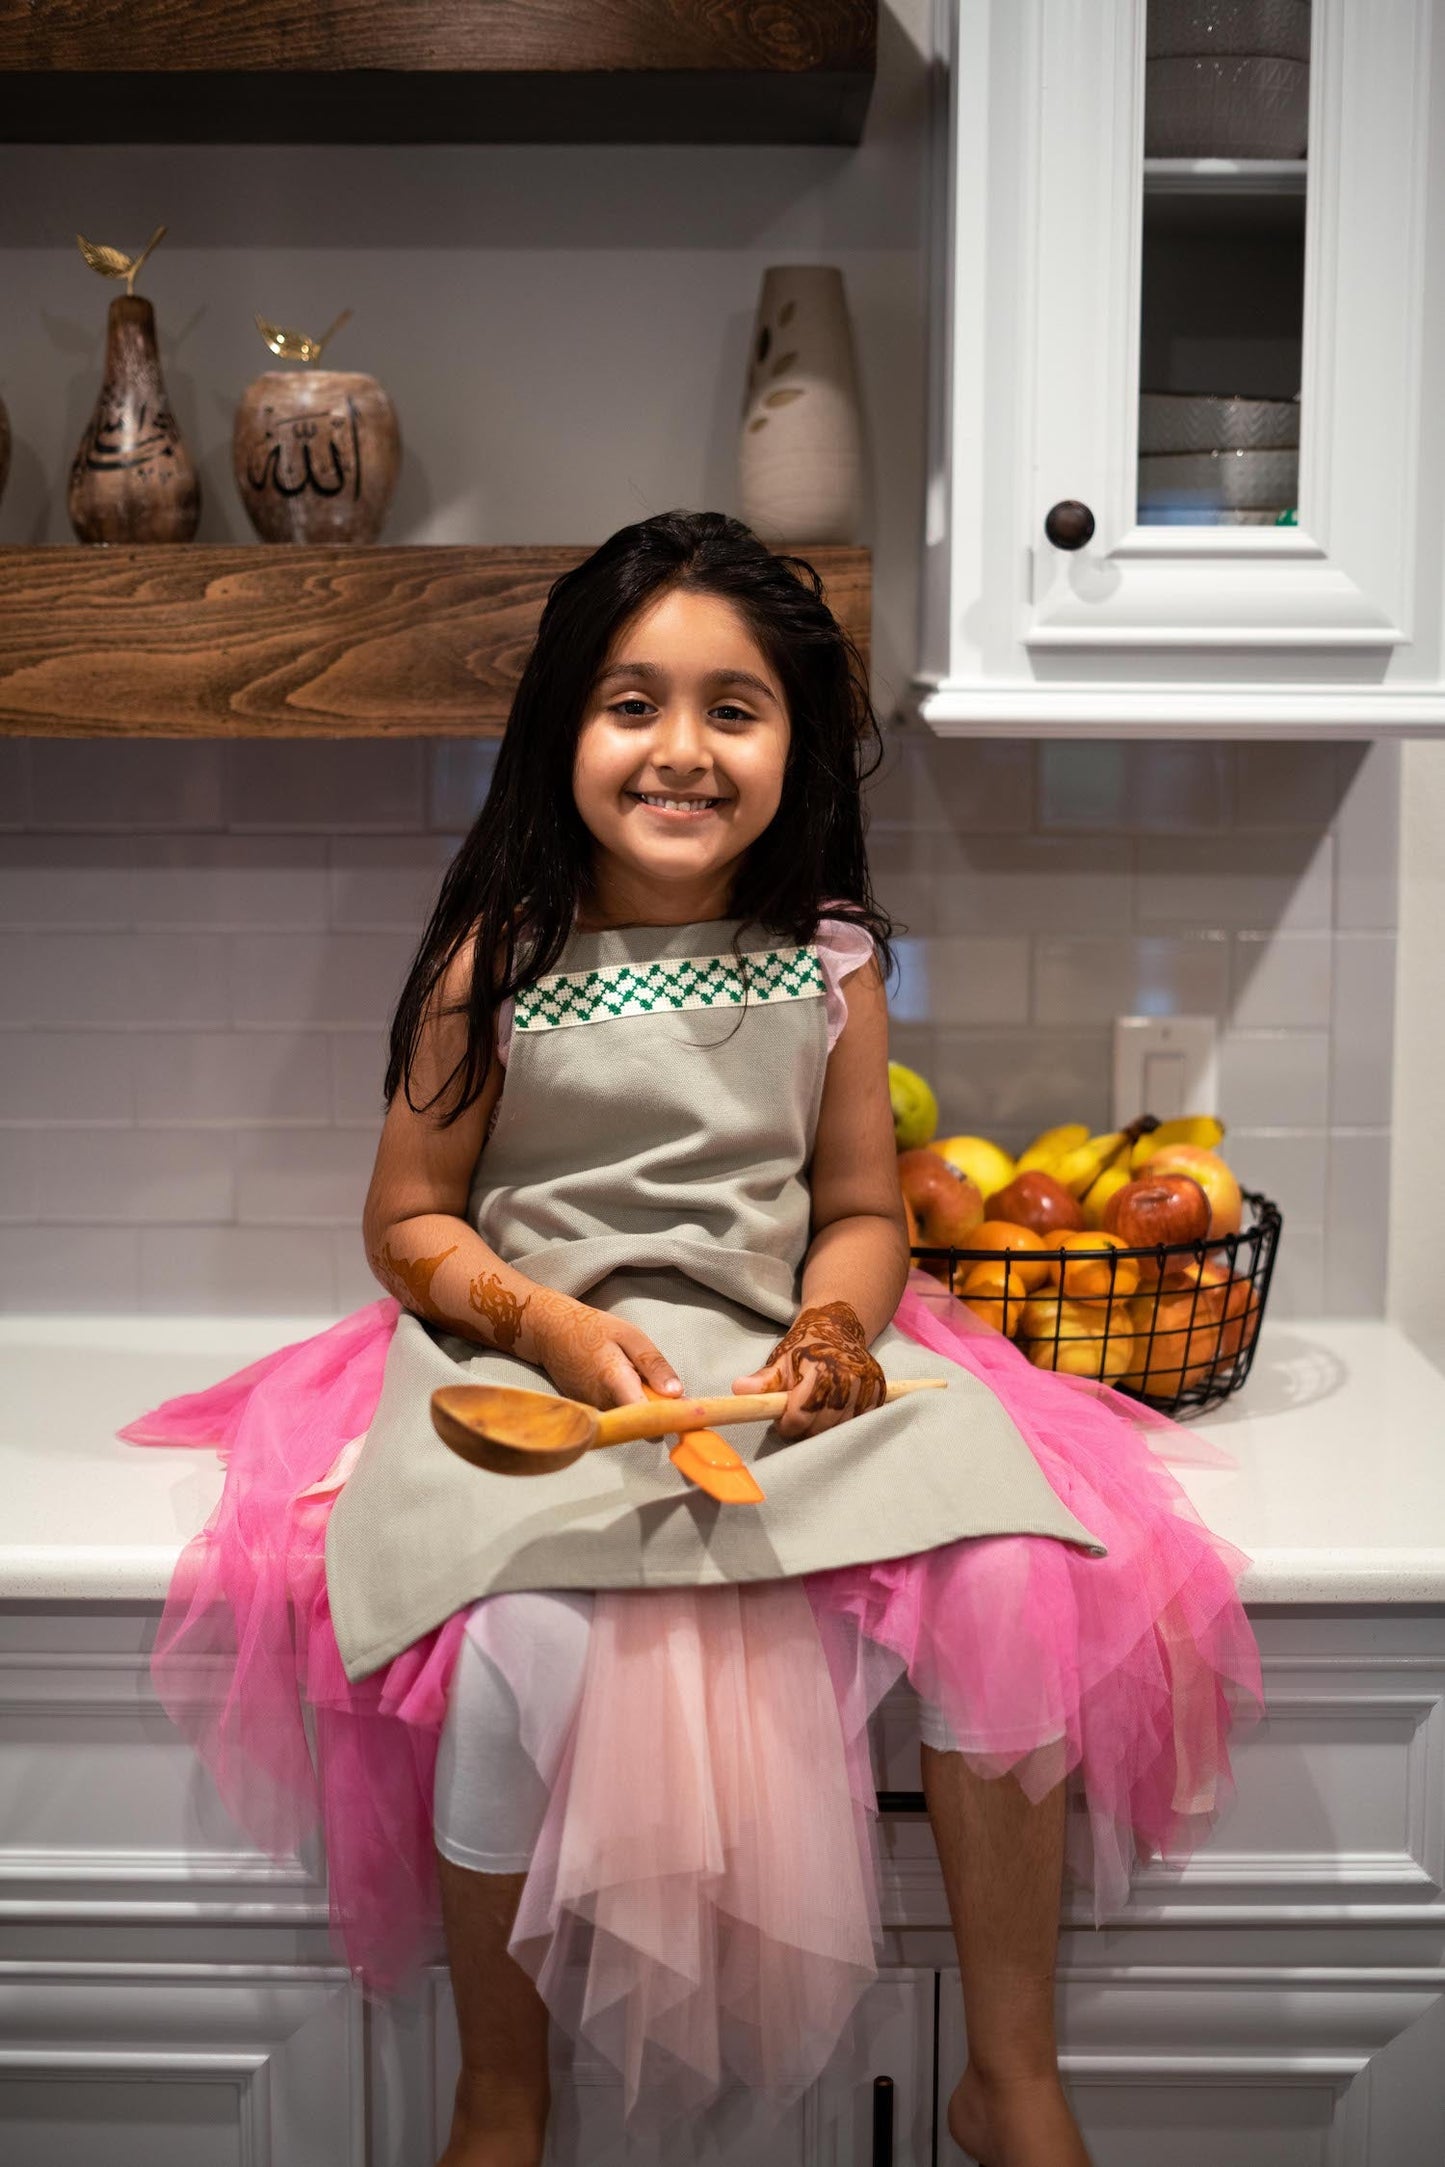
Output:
[[1175, 1323]]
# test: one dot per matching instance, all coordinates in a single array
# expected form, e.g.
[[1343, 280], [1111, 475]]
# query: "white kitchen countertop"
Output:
[[1338, 1497]]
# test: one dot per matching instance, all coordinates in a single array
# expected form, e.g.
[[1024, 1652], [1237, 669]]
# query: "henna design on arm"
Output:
[[410, 1278], [503, 1312], [829, 1337]]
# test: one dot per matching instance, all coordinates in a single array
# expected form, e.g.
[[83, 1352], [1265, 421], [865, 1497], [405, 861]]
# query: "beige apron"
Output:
[[649, 1156]]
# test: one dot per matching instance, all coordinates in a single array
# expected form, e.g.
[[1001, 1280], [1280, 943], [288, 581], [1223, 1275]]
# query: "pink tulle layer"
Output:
[[718, 1922]]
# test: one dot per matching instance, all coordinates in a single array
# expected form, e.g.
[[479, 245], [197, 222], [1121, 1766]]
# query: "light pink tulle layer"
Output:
[[702, 1901]]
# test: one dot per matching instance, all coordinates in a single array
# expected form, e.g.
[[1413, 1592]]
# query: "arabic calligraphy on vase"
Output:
[[316, 452], [122, 436]]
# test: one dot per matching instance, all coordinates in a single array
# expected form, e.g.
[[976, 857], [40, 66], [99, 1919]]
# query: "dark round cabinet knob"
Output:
[[1068, 524]]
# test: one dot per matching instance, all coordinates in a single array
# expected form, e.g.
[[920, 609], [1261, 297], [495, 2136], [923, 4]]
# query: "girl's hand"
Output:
[[592, 1356], [824, 1365]]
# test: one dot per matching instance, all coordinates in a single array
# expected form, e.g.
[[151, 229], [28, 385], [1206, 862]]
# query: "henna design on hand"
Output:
[[490, 1299], [846, 1374], [410, 1278]]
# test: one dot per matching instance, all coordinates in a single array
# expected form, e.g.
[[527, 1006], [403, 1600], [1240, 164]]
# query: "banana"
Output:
[[1049, 1146], [1079, 1168], [1204, 1129]]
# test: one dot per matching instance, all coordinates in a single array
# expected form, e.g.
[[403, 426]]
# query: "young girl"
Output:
[[639, 1142]]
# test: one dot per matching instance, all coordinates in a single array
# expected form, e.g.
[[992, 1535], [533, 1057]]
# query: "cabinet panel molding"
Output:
[[283, 2046]]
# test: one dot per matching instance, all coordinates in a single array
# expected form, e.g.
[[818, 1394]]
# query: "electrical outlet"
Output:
[[1164, 1065]]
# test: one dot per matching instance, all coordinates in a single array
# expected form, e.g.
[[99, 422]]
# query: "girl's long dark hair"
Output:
[[529, 847]]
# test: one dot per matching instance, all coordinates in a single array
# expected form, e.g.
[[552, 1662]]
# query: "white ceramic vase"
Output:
[[800, 458]]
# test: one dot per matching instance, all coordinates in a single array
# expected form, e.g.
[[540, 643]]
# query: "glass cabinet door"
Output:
[[1221, 317], [1189, 297]]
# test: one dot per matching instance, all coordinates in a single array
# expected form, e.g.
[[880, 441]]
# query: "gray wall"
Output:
[[199, 943]]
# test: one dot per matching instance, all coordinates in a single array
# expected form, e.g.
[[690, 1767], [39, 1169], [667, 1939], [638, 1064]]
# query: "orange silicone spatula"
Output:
[[707, 1459]]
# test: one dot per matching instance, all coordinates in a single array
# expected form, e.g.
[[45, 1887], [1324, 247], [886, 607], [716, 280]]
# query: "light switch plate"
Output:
[[1164, 1065]]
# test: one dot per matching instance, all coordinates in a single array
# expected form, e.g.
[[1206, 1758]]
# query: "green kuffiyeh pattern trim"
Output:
[[673, 982]]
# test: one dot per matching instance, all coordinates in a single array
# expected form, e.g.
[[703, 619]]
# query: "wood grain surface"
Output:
[[285, 36], [260, 71], [257, 641]]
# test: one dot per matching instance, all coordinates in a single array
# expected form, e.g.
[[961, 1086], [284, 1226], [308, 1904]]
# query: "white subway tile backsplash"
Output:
[[249, 1270], [67, 881], [1010, 1084], [1289, 1167], [960, 978], [139, 783], [318, 978], [156, 979], [1282, 979], [17, 980], [1356, 1223], [355, 1282], [14, 782], [1297, 1283], [59, 1076], [1267, 1077], [134, 1176], [302, 1177], [926, 783], [232, 1078], [1281, 784], [19, 1181], [1178, 787], [1030, 883], [358, 1071], [1083, 785], [1094, 980], [902, 881], [459, 775], [49, 1268], [1362, 1069], [385, 882], [201, 947], [1112, 784], [326, 784], [228, 881], [1367, 830], [1234, 880]]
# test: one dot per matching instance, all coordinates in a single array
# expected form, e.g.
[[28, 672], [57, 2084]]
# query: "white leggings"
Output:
[[490, 1801]]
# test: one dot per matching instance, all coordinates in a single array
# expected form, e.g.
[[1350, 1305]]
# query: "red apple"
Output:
[[945, 1203], [1158, 1208], [1215, 1178], [1035, 1199]]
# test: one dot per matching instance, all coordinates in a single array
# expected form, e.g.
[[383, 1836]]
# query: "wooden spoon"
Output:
[[510, 1431]]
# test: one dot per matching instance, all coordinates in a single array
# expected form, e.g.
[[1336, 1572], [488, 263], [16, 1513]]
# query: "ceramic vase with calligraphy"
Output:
[[315, 453], [801, 456], [132, 480]]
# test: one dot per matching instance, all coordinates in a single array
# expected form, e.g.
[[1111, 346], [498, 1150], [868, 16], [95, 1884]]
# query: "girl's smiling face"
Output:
[[686, 705]]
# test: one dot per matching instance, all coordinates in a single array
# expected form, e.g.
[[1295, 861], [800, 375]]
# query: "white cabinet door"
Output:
[[154, 2065], [1081, 289], [833, 2125]]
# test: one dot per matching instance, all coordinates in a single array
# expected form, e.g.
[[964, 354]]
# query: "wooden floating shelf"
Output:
[[435, 71], [256, 641]]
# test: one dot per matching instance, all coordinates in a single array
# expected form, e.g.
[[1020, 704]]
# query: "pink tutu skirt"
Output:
[[713, 1928]]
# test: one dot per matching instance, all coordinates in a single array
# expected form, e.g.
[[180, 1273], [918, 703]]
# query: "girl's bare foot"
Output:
[[1015, 2122]]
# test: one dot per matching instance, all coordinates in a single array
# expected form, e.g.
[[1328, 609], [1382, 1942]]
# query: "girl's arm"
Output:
[[423, 1249], [857, 1262]]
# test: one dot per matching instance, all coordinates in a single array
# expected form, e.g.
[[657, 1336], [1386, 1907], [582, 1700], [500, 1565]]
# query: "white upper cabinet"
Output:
[[1187, 398]]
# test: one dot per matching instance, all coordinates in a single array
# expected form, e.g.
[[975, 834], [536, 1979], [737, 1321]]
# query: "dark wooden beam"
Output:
[[251, 641], [581, 71]]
